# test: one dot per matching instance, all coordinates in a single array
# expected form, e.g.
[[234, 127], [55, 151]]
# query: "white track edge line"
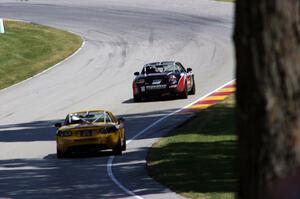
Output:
[[50, 68], [109, 164]]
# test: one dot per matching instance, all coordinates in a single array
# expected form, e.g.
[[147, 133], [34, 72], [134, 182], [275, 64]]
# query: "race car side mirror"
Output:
[[121, 120], [57, 125], [189, 70], [136, 73]]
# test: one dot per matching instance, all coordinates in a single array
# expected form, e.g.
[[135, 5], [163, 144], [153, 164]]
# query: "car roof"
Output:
[[160, 63], [86, 111]]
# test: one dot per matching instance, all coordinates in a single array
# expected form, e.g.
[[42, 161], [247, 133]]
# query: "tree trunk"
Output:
[[267, 40]]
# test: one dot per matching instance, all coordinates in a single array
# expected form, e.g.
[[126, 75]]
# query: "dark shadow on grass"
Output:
[[199, 166], [212, 172]]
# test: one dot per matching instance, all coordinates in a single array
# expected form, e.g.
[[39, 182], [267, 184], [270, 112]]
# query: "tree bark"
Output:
[[267, 41]]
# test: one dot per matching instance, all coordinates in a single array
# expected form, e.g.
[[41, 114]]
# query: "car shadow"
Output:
[[153, 99], [80, 155]]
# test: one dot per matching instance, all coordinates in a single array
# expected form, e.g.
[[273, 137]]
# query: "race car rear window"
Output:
[[162, 68], [88, 117]]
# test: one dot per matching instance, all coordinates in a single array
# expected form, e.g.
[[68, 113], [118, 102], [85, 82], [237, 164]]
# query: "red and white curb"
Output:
[[213, 98], [206, 101]]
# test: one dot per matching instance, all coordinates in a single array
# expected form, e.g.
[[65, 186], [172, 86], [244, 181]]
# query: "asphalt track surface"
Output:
[[120, 36]]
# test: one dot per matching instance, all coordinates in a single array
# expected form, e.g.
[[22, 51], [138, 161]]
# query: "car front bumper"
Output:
[[153, 90]]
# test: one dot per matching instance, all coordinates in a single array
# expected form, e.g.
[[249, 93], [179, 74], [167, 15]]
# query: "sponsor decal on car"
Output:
[[156, 81], [156, 87]]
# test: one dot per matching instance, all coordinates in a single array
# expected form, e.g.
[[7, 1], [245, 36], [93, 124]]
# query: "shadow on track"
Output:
[[27, 132], [82, 175], [78, 177], [45, 130]]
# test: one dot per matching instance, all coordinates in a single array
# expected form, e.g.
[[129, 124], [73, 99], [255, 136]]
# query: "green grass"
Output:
[[27, 49], [197, 159]]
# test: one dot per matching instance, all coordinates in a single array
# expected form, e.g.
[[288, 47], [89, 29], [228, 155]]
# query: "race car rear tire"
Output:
[[193, 90], [137, 98], [184, 93], [60, 154], [118, 148], [124, 144]]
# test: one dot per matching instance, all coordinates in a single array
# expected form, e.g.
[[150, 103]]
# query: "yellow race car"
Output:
[[90, 130]]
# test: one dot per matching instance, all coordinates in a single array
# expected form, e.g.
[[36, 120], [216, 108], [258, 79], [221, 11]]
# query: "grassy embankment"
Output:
[[27, 49], [197, 159]]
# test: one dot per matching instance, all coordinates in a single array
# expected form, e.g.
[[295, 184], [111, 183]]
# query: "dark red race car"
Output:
[[163, 78]]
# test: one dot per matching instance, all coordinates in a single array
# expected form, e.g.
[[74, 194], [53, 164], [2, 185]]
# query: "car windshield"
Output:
[[161, 68], [88, 117]]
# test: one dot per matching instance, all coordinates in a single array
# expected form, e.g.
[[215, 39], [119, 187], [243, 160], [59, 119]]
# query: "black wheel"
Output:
[[184, 93], [60, 154], [118, 148], [124, 144], [137, 98], [193, 90]]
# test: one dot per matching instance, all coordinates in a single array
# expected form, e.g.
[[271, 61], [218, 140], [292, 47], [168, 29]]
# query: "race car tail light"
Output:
[[135, 88], [140, 81], [110, 129], [181, 84], [173, 79], [64, 133]]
